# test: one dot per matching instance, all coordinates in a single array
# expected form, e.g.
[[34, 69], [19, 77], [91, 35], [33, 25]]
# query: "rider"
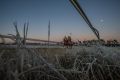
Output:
[[69, 41], [65, 41]]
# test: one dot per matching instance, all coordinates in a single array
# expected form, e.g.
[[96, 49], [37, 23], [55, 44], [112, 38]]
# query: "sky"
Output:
[[64, 19]]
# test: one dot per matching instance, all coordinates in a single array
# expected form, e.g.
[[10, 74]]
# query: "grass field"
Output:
[[78, 63]]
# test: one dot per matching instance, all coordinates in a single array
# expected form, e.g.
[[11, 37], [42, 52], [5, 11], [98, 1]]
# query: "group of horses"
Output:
[[68, 42]]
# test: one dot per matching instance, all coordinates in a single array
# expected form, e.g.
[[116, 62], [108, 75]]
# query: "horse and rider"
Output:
[[68, 42]]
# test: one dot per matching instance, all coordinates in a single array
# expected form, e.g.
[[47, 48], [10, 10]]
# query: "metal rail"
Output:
[[84, 16], [30, 39]]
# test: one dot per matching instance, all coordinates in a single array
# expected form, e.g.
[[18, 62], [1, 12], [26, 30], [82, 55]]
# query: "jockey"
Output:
[[69, 38], [70, 42], [65, 41]]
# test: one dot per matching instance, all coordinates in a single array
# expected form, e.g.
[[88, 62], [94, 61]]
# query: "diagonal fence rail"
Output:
[[84, 16]]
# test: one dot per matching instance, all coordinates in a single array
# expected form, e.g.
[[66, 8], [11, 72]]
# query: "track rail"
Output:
[[29, 39]]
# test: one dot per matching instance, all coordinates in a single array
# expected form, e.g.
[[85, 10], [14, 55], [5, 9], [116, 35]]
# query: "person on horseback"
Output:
[[65, 41], [70, 44]]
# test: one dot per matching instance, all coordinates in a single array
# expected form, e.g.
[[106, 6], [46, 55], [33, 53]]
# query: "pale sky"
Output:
[[104, 15]]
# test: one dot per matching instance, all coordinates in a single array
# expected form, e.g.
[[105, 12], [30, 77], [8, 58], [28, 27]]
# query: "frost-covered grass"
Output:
[[79, 63]]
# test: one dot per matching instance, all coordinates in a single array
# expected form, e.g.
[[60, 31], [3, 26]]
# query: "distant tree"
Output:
[[102, 41], [115, 41]]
